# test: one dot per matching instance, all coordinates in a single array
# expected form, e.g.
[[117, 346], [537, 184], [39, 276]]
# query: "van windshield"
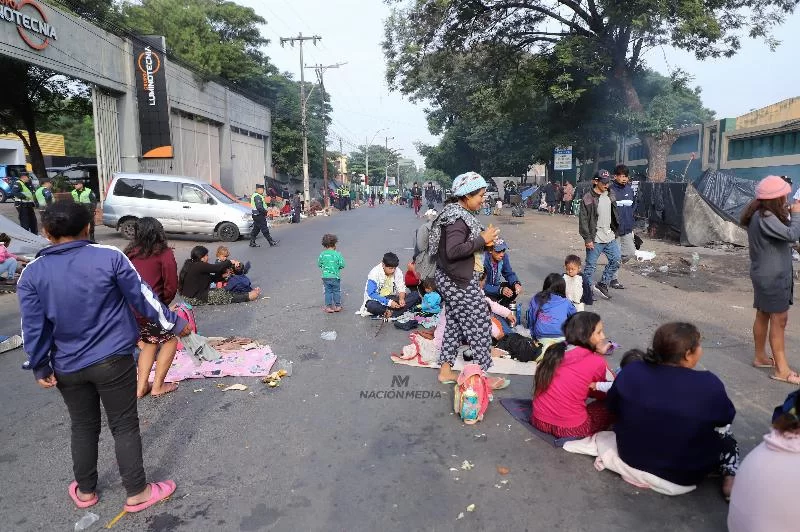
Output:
[[219, 196]]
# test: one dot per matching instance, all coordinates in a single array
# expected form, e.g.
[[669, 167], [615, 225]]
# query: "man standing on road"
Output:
[[566, 199], [597, 224], [626, 206], [85, 196], [416, 195], [23, 201], [259, 213]]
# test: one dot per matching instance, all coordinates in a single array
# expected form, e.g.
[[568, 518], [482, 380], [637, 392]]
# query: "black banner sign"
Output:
[[151, 97]]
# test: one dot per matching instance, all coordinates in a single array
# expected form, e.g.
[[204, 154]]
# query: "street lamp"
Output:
[[386, 166], [366, 156]]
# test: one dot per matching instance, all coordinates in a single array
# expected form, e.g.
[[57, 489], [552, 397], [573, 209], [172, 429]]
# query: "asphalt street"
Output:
[[314, 455]]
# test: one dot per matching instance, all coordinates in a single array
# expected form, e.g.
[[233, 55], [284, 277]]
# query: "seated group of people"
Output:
[[221, 283]]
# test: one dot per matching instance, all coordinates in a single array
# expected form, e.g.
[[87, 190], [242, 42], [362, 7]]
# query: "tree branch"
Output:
[[637, 50], [548, 13]]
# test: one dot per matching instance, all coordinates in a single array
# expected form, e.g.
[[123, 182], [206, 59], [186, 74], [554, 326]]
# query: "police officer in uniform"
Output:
[[24, 202], [44, 195], [85, 196], [260, 218]]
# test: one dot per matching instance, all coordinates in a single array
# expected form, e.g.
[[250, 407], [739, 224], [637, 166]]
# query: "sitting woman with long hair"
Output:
[[563, 379], [155, 262], [195, 279]]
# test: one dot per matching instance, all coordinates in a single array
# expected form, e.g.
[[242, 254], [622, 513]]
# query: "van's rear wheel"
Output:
[[228, 232], [3, 196], [128, 228]]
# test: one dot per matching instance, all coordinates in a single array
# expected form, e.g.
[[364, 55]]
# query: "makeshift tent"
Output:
[[702, 223], [661, 204], [726, 193], [22, 242]]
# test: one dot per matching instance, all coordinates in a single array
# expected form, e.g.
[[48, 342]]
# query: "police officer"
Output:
[[85, 196], [259, 213], [44, 195], [24, 202]]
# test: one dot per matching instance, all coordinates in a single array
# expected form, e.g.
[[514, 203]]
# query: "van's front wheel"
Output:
[[228, 232], [128, 228]]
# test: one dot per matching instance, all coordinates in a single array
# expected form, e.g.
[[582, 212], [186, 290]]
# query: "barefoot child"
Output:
[[331, 263]]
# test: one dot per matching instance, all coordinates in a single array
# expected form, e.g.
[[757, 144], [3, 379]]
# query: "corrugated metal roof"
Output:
[[51, 143]]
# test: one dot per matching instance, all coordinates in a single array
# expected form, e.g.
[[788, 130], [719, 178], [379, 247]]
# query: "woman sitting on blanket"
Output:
[[563, 379], [673, 421], [196, 276], [549, 310]]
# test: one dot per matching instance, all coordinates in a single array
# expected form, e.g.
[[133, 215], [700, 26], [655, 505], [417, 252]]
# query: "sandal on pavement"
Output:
[[498, 383], [73, 494], [770, 365], [791, 378], [158, 492]]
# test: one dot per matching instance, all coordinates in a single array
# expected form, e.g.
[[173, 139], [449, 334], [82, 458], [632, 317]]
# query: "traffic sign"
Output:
[[562, 158]]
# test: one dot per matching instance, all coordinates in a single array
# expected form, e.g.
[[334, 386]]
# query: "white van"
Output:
[[181, 204]]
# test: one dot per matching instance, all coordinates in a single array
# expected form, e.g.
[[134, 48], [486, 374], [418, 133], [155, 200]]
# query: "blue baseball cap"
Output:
[[500, 245]]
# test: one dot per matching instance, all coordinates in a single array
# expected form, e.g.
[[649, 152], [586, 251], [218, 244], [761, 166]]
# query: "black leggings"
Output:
[[112, 381]]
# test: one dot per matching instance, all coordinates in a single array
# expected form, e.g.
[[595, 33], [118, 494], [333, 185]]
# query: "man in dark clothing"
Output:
[[550, 196], [416, 198], [24, 202], [297, 205], [626, 207], [597, 224], [259, 213]]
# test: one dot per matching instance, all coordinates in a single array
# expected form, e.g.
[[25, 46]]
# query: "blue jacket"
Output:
[[238, 284], [551, 318], [494, 278], [626, 207], [75, 300]]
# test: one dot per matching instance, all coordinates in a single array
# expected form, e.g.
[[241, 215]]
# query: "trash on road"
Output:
[[471, 508], [466, 466], [236, 387], [86, 521], [644, 256], [273, 380], [284, 364], [328, 335], [503, 470], [197, 390], [460, 515], [663, 269]]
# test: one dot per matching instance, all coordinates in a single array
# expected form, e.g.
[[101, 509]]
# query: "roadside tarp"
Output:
[[702, 224], [22, 242], [662, 203], [726, 193]]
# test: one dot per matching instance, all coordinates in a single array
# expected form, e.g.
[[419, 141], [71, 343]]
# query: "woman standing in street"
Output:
[[81, 341], [458, 241], [155, 262], [771, 236]]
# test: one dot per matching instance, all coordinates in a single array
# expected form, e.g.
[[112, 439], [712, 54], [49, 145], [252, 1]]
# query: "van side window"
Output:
[[192, 194], [128, 188], [161, 190]]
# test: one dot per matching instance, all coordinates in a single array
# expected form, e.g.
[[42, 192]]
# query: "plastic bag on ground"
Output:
[[328, 335], [86, 521]]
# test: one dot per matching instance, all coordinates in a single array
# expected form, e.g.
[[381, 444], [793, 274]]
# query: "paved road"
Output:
[[314, 455]]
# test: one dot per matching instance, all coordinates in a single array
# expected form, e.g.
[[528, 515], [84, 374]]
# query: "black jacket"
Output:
[[587, 217]]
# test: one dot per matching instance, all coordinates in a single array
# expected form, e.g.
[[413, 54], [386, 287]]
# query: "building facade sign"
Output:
[[151, 97], [31, 22]]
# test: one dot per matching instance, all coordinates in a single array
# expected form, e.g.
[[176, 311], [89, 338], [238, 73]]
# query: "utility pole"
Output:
[[303, 103], [320, 70], [341, 160], [366, 156], [386, 177]]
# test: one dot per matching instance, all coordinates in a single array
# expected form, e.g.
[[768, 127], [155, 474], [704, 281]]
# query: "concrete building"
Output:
[[211, 132]]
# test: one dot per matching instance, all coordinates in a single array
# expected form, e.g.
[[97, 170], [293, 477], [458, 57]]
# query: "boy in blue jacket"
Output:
[[626, 207], [502, 284], [80, 338]]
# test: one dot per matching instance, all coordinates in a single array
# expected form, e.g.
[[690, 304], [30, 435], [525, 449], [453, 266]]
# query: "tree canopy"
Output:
[[571, 55]]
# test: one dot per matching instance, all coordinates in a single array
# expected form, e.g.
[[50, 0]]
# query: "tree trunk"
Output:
[[658, 148]]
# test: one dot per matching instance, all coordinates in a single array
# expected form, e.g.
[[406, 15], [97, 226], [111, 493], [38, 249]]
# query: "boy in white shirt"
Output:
[[572, 269]]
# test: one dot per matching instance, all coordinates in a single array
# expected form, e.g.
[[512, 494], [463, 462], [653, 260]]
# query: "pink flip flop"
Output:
[[73, 494], [158, 492]]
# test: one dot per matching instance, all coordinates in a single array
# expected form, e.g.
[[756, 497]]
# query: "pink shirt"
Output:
[[564, 402], [5, 254]]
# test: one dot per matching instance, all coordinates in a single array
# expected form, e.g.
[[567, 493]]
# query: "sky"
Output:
[[365, 109]]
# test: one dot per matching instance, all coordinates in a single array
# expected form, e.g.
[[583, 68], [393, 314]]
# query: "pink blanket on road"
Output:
[[251, 363]]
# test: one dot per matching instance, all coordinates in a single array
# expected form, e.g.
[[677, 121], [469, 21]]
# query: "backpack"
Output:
[[184, 310], [471, 394]]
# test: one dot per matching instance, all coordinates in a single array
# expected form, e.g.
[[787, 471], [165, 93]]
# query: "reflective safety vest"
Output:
[[24, 190], [40, 199], [253, 202], [84, 196]]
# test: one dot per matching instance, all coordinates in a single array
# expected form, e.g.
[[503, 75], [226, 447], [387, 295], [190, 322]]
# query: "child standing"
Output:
[[331, 263], [574, 281]]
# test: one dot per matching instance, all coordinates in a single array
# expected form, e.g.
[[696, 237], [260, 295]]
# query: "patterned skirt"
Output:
[[152, 333]]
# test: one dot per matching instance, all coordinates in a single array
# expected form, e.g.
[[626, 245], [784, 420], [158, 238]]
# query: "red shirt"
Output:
[[411, 279], [564, 402], [160, 272]]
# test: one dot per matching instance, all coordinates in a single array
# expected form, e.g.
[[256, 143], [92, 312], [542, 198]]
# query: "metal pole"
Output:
[[366, 161]]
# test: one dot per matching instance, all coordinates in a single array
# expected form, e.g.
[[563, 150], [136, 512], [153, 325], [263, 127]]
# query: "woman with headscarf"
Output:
[[771, 236], [457, 240], [154, 260]]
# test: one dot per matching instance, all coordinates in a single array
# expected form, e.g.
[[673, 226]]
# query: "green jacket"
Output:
[[587, 216], [42, 199], [84, 196]]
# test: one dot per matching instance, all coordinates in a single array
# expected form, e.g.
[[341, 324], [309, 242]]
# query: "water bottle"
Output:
[[695, 263], [86, 521], [469, 405]]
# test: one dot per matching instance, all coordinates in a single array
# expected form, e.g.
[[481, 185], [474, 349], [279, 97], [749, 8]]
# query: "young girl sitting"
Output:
[[561, 384], [8, 261], [549, 310], [431, 301]]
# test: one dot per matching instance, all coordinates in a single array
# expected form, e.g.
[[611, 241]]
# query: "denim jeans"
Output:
[[112, 381], [8, 267], [333, 294], [611, 251]]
